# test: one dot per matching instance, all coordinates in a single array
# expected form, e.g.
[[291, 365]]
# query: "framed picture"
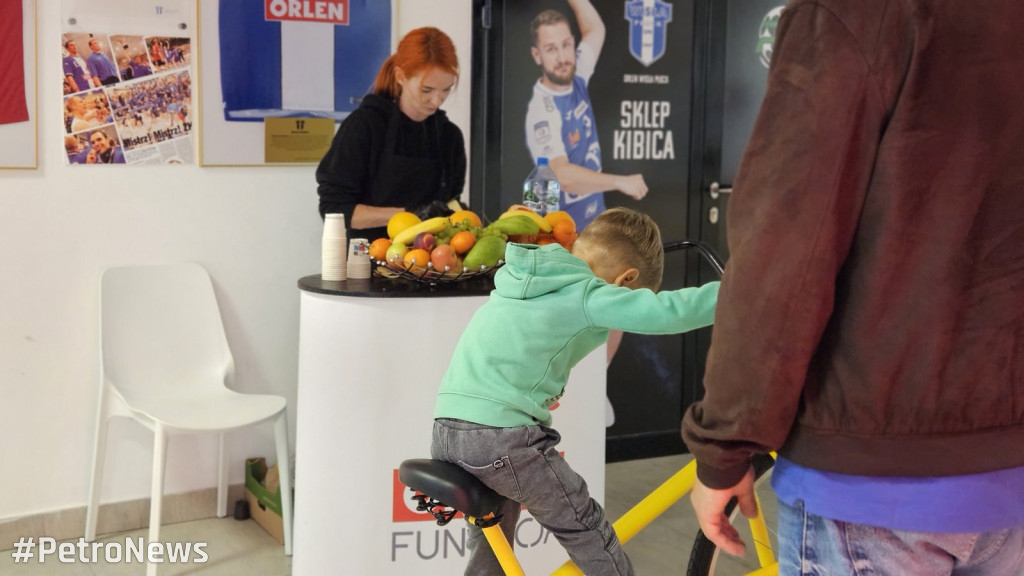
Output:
[[277, 76], [18, 115], [127, 82]]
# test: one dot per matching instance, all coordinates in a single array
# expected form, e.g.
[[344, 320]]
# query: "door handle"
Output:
[[715, 189]]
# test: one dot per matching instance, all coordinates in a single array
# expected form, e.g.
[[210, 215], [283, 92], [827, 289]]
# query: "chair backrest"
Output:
[[161, 330]]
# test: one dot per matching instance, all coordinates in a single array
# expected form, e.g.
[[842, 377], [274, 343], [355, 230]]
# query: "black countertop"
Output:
[[377, 287]]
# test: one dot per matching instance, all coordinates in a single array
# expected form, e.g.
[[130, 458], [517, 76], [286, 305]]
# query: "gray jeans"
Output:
[[523, 465]]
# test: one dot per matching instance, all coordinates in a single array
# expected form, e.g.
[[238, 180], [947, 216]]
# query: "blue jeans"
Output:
[[813, 545], [523, 465]]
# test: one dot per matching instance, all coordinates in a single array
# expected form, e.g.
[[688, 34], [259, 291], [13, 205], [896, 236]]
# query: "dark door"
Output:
[[737, 60], [733, 49], [674, 93]]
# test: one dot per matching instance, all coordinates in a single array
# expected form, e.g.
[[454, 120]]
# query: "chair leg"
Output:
[[284, 469], [222, 478], [96, 482], [157, 492]]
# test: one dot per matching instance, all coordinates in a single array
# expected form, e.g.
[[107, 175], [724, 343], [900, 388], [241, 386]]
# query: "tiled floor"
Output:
[[243, 548]]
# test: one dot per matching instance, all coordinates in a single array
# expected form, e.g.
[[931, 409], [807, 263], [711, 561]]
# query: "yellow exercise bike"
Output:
[[443, 489]]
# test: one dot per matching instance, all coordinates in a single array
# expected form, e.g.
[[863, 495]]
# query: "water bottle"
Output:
[[541, 192]]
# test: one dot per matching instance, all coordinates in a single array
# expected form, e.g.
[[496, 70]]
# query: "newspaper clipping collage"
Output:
[[127, 99]]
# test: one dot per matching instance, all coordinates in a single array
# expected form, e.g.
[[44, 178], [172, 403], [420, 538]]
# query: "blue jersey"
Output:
[[75, 67], [297, 66], [100, 66], [562, 124]]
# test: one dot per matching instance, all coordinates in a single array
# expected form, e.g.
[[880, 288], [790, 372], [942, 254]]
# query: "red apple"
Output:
[[445, 256]]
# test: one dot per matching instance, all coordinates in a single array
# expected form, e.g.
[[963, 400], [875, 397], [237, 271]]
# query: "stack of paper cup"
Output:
[[334, 248], [359, 258]]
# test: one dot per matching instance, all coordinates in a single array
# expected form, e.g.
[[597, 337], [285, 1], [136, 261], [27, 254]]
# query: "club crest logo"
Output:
[[648, 22], [766, 35]]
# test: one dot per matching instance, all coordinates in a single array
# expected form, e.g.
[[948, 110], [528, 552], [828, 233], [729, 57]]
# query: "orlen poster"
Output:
[[296, 59]]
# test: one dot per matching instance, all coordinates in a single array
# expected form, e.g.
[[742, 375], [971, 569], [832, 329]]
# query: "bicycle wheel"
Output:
[[704, 556]]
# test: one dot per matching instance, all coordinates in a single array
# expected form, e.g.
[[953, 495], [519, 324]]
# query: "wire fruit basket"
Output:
[[430, 275]]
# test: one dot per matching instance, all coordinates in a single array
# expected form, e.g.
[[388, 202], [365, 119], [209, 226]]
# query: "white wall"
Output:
[[255, 229]]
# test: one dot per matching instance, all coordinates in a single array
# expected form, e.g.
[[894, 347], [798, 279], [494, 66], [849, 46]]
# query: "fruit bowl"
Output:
[[429, 275]]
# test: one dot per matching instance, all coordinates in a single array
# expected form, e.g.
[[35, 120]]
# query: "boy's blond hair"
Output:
[[632, 238]]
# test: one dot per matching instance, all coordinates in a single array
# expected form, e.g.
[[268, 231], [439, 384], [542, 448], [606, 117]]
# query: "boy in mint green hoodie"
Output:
[[493, 411]]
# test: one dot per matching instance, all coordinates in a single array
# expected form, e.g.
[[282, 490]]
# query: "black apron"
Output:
[[405, 180]]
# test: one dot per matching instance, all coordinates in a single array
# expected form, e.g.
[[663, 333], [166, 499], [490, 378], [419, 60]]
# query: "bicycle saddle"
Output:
[[450, 486]]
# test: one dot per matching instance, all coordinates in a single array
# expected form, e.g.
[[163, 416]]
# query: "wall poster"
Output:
[[127, 78], [606, 85], [18, 120], [309, 61]]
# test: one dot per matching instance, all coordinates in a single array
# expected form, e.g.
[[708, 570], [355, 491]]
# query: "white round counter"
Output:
[[371, 356]]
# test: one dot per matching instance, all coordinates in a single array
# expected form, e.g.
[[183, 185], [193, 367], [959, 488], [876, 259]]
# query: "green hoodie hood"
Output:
[[532, 271]]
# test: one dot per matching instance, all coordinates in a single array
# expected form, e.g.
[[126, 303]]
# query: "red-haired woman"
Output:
[[398, 150]]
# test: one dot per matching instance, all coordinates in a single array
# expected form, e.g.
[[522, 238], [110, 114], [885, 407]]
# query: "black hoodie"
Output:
[[381, 157]]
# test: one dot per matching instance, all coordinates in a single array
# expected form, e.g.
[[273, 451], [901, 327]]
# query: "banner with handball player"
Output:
[[604, 86]]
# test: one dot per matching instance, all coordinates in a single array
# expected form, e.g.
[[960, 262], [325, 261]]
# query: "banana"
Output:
[[515, 225], [433, 225], [543, 224]]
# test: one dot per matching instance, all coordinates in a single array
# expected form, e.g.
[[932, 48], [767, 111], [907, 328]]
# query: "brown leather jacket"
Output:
[[871, 317]]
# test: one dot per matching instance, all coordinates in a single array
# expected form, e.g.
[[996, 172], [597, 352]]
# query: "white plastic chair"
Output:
[[165, 362]]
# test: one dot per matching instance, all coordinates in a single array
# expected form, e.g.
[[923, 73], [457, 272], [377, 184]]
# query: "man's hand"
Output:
[[709, 504], [632, 186]]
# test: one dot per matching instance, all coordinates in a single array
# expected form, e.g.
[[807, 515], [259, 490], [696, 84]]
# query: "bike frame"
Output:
[[660, 500]]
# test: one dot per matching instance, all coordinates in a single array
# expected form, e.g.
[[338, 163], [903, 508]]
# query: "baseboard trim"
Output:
[[117, 517]]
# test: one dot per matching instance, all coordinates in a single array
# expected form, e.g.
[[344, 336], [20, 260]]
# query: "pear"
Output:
[[395, 255]]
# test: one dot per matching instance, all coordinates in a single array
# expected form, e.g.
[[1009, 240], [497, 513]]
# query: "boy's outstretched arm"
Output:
[[644, 312]]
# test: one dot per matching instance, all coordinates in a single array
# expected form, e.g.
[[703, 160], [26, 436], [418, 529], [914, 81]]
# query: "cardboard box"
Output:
[[264, 496]]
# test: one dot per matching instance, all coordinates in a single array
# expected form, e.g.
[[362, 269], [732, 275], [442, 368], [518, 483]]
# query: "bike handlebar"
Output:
[[703, 249]]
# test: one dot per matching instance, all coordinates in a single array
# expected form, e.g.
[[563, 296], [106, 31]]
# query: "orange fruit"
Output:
[[461, 215], [379, 248], [417, 257], [557, 216], [400, 221], [463, 241], [565, 233], [565, 226]]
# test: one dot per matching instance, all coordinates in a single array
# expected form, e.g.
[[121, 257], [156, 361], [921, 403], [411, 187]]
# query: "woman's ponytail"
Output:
[[386, 84]]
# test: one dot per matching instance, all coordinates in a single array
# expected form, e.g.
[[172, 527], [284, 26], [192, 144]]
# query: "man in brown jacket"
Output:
[[870, 325]]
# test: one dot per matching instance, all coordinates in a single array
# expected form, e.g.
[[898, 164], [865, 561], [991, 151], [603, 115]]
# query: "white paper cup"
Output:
[[333, 258], [334, 226]]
